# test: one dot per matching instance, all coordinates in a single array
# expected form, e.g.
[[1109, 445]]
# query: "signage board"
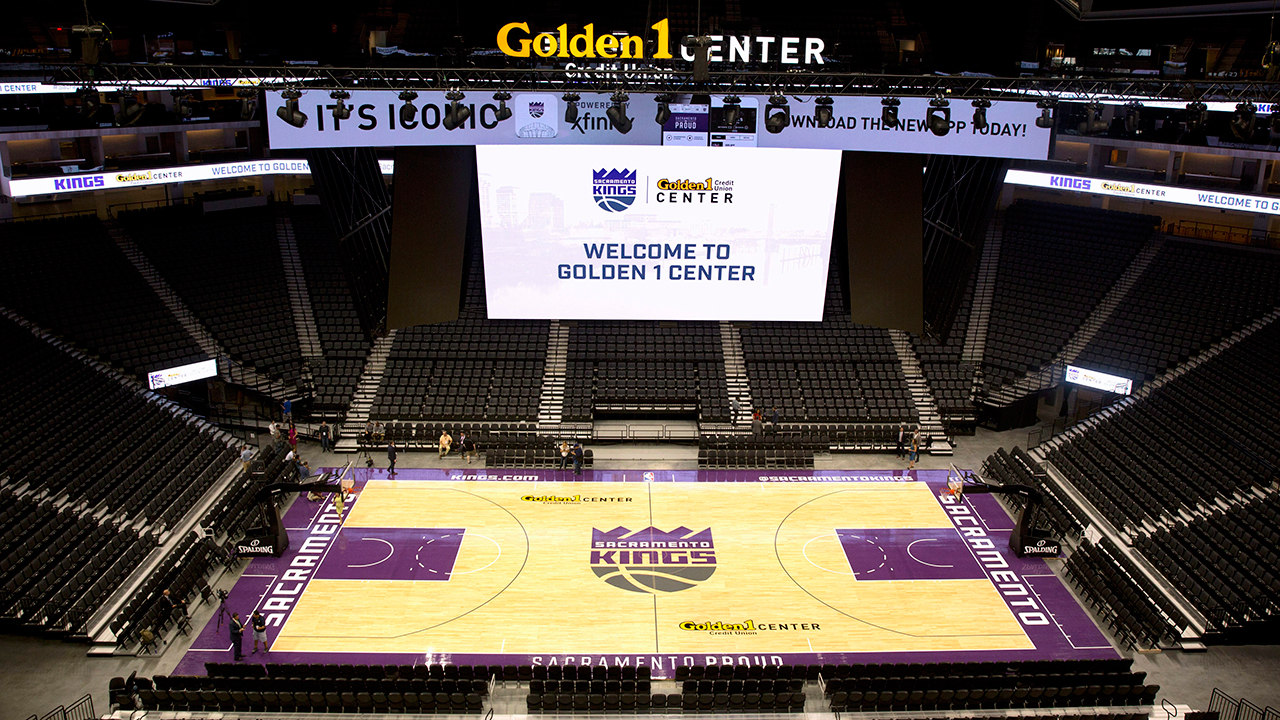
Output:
[[182, 374], [1099, 380], [1140, 191]]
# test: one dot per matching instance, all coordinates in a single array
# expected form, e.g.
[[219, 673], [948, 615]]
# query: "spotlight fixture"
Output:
[[617, 112], [341, 111], [1133, 118], [89, 102], [1046, 106], [248, 103], [1275, 123], [1244, 120], [1197, 116], [408, 111], [939, 116], [889, 112], [777, 116], [289, 112], [664, 109], [456, 114], [822, 112], [571, 107], [732, 110], [130, 108], [503, 112], [1093, 122], [980, 114], [181, 103]]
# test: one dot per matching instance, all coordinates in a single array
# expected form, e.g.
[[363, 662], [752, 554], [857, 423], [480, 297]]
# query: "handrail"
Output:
[[1224, 233]]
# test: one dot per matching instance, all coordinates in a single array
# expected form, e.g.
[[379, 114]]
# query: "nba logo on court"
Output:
[[651, 560], [613, 190], [648, 477]]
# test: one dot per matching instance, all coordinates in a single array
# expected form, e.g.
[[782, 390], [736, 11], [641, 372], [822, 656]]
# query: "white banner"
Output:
[[1099, 380], [682, 234], [1140, 191], [182, 374], [85, 182], [539, 119]]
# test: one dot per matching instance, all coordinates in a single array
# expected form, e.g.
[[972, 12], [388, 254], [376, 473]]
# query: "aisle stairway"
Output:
[[735, 373], [299, 301], [921, 394], [975, 340], [551, 402], [366, 392]]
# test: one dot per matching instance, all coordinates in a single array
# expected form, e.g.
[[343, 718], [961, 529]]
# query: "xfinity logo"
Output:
[[1071, 183]]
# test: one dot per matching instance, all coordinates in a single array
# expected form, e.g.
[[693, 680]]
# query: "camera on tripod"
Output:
[[222, 595]]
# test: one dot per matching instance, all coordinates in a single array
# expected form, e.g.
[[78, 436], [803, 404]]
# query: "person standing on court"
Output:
[[565, 451], [338, 504], [237, 635], [324, 433], [902, 438], [259, 624], [577, 458], [391, 457], [469, 449], [915, 450]]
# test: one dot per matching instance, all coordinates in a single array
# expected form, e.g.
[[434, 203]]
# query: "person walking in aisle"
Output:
[[246, 457], [469, 449], [391, 457], [237, 635], [286, 411], [325, 436]]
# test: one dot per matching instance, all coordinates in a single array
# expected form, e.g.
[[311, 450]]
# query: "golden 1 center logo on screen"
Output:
[[614, 190]]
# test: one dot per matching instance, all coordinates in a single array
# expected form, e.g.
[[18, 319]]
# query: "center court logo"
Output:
[[613, 190], [651, 560]]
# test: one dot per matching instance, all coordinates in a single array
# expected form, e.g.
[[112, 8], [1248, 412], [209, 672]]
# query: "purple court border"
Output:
[[1061, 629]]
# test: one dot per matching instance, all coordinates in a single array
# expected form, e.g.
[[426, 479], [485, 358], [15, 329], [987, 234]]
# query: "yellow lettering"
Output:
[[632, 47], [564, 40], [585, 48], [662, 51], [606, 46], [505, 46], [544, 44]]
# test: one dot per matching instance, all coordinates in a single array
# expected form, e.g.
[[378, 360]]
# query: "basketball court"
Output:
[[653, 568]]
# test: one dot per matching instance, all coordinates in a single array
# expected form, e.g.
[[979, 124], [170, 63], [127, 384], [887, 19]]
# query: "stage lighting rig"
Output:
[[1093, 122], [777, 117], [181, 103], [1244, 120], [248, 103], [408, 111], [889, 112], [89, 101], [980, 114], [939, 116], [617, 112], [1133, 118], [1046, 106], [130, 109], [289, 112], [732, 110], [571, 107], [341, 110], [503, 112], [822, 112], [1197, 116], [456, 114], [664, 109]]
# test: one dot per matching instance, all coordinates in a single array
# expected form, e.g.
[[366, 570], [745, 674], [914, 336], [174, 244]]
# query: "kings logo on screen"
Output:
[[613, 190], [651, 560]]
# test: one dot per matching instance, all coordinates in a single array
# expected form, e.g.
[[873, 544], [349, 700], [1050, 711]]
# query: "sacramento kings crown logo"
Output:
[[536, 109], [613, 190], [651, 560]]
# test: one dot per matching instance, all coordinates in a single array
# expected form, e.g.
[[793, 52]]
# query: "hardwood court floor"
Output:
[[795, 560]]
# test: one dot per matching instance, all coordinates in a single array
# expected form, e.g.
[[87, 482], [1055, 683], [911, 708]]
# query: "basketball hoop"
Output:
[[954, 488]]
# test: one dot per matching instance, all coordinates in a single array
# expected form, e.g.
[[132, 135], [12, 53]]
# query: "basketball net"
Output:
[[954, 488]]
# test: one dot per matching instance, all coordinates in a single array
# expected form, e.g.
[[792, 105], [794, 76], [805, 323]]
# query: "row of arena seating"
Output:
[[128, 465], [499, 456], [700, 703], [1019, 468], [341, 337], [1056, 263], [780, 457], [1136, 612], [229, 272], [330, 701], [504, 673], [1193, 294], [68, 276], [1185, 468]]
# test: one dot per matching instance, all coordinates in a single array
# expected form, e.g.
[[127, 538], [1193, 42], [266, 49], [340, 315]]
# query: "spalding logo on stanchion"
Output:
[[1043, 548], [255, 547]]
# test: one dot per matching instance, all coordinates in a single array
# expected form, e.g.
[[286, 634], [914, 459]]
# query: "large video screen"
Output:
[[671, 233]]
